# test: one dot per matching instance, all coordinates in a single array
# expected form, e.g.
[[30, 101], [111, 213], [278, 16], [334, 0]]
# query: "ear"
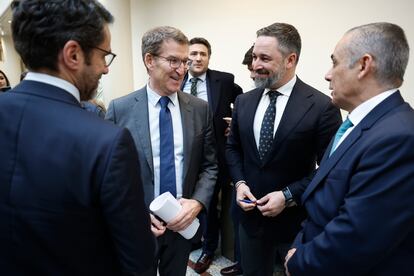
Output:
[[291, 60], [149, 61], [366, 65], [72, 55]]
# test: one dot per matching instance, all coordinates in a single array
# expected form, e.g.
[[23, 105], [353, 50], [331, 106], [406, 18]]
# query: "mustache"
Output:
[[262, 72]]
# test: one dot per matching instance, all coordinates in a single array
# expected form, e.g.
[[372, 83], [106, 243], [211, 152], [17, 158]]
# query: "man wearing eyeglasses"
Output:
[[175, 141], [71, 199]]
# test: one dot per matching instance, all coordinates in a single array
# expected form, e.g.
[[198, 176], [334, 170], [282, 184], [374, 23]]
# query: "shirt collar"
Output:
[[285, 89], [363, 109], [55, 81], [154, 97], [201, 77]]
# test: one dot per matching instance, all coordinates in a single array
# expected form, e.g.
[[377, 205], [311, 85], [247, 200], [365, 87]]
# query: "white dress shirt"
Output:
[[201, 86], [362, 110], [154, 108], [58, 82], [281, 103]]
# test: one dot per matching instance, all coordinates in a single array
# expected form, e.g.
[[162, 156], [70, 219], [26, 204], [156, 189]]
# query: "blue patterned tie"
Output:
[[268, 124], [342, 129], [167, 164], [194, 86]]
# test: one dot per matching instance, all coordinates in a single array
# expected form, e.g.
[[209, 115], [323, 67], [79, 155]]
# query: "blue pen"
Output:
[[248, 201]]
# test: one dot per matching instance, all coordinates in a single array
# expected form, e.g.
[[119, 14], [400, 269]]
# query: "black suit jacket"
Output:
[[221, 92], [71, 200], [307, 125]]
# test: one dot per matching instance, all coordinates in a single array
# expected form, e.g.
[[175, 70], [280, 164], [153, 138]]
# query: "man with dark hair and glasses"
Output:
[[174, 137], [71, 199]]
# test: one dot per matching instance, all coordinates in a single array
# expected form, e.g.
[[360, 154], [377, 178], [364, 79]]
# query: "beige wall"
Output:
[[119, 81], [230, 27]]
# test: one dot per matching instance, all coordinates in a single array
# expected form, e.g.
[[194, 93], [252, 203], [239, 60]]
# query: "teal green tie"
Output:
[[193, 89], [342, 129]]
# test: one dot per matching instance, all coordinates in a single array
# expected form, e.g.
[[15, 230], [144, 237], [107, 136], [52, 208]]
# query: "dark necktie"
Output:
[[268, 124], [341, 131], [194, 86], [167, 164]]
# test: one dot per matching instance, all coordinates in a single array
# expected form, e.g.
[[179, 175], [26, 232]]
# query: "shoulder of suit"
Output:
[[220, 74], [302, 86], [130, 96]]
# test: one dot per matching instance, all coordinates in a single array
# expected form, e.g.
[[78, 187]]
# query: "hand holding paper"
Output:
[[168, 208], [189, 211]]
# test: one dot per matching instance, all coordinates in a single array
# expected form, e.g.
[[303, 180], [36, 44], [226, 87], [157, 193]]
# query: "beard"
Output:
[[270, 80]]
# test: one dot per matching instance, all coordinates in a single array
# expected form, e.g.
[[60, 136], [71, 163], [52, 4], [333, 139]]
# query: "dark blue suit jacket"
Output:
[[307, 125], [71, 200], [360, 202], [221, 92]]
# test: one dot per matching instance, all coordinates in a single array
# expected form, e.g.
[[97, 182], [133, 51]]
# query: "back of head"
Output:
[[203, 41], [248, 57], [387, 44], [153, 39], [287, 36], [41, 28]]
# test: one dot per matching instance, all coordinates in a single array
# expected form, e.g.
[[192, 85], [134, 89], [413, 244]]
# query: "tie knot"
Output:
[[273, 95], [346, 124], [194, 80], [164, 101]]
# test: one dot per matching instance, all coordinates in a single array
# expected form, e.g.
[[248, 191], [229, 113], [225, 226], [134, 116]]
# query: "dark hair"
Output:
[[200, 40], [248, 57], [287, 37], [388, 45], [153, 39], [41, 28], [5, 77]]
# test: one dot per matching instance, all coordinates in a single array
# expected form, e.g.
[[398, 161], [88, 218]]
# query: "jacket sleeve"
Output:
[[123, 207]]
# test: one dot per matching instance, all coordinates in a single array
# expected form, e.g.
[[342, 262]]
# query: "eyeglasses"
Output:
[[175, 63], [109, 57]]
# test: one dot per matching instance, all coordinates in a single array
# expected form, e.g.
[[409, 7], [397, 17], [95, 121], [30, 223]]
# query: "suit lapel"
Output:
[[142, 124], [213, 90], [247, 119], [188, 130], [328, 163], [299, 103]]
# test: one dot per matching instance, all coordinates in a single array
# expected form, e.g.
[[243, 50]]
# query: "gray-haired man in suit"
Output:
[[190, 160]]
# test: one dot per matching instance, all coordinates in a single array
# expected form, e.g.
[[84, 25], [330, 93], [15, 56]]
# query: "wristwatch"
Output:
[[289, 201]]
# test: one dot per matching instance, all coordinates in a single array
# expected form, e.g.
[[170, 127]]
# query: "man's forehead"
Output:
[[173, 48], [198, 47]]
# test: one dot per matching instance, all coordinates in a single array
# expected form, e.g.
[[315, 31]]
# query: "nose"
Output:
[[105, 70], [328, 76], [182, 69], [256, 64]]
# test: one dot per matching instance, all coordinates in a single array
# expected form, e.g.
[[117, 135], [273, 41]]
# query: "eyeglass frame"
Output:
[[108, 54], [185, 63]]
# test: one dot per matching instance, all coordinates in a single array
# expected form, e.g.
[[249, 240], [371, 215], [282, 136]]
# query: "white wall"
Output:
[[119, 81], [230, 27]]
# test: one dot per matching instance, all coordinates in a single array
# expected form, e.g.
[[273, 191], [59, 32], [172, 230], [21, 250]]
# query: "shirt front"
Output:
[[264, 102], [58, 82], [362, 110], [201, 86], [154, 108]]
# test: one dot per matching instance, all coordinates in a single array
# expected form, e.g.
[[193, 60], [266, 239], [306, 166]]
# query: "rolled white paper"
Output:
[[167, 207]]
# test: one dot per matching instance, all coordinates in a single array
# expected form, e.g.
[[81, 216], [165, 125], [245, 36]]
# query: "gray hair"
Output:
[[387, 44], [153, 39], [287, 36]]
